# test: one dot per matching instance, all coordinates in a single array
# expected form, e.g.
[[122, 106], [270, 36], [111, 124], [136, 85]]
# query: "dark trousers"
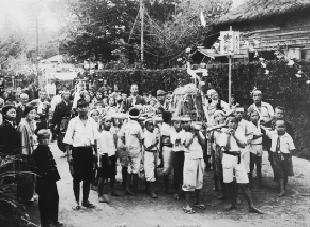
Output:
[[178, 169], [48, 202], [258, 160], [83, 160]]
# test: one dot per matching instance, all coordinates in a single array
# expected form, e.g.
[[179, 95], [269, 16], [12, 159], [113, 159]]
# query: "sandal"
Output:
[[189, 210], [76, 208], [200, 206], [176, 197], [88, 205]]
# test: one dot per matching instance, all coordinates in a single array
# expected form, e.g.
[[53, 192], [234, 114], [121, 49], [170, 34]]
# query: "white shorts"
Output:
[[256, 149], [193, 174], [230, 164], [149, 166], [134, 164], [246, 158], [167, 155]]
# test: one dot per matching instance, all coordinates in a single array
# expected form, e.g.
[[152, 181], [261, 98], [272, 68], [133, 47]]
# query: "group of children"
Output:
[[137, 143], [237, 147]]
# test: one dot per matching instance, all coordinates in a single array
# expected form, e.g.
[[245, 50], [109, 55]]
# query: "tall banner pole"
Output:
[[229, 79], [229, 98]]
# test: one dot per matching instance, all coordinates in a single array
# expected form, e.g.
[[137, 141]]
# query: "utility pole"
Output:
[[142, 26], [37, 49]]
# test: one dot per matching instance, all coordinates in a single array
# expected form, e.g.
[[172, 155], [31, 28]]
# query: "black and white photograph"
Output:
[[154, 113]]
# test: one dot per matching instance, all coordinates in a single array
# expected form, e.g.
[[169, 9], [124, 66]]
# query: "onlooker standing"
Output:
[[256, 149], [279, 114], [266, 114], [24, 99], [281, 148], [47, 176], [27, 127], [81, 134], [151, 140], [51, 89], [33, 90]]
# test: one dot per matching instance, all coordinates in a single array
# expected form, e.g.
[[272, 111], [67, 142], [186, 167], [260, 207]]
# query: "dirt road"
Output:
[[142, 211]]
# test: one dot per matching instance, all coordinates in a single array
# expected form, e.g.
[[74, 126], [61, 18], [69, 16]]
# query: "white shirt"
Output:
[[233, 143], [245, 127], [165, 129], [51, 89], [56, 99], [194, 151], [79, 135], [177, 140], [105, 143], [40, 106], [286, 141], [132, 134], [265, 111], [150, 138], [110, 110], [256, 131]]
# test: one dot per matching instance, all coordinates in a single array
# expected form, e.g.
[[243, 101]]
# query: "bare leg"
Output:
[[128, 192], [187, 200], [153, 194], [232, 196], [136, 183], [282, 191], [147, 187], [247, 194]]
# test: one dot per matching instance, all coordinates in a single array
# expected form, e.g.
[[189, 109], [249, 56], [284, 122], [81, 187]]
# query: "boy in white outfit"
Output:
[[151, 140], [193, 167]]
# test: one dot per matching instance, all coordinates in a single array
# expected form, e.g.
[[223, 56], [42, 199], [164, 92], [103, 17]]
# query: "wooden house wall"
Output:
[[275, 31]]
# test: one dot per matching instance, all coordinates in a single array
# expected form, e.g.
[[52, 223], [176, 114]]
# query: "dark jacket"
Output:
[[19, 114], [62, 110], [10, 139], [139, 101], [44, 166]]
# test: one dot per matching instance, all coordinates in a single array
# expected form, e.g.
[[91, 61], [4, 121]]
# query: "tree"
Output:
[[11, 48], [167, 38], [99, 29]]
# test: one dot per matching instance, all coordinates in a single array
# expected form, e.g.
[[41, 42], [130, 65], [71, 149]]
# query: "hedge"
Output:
[[279, 87]]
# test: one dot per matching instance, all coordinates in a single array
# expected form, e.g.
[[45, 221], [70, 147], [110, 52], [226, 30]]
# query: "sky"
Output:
[[13, 10]]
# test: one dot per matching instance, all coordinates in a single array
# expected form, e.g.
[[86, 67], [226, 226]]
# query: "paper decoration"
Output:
[[229, 42], [202, 19]]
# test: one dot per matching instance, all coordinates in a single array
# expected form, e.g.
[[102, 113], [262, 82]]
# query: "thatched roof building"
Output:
[[252, 10], [282, 25]]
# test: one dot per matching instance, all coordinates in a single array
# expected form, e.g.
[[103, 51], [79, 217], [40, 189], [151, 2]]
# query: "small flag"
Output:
[[202, 19]]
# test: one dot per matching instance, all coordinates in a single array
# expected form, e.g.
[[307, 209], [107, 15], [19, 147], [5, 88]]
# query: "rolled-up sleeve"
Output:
[[270, 111], [69, 134]]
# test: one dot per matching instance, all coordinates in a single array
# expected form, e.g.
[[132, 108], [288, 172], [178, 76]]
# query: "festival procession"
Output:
[[210, 127]]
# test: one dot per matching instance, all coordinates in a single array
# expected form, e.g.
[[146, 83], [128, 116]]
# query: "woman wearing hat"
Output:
[[10, 139]]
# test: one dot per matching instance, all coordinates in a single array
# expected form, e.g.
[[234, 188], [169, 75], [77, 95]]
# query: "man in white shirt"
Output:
[[81, 135], [165, 132], [246, 128], [266, 115], [177, 138], [51, 89], [232, 144]]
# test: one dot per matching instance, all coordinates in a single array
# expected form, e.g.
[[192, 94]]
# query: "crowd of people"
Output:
[[97, 128]]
